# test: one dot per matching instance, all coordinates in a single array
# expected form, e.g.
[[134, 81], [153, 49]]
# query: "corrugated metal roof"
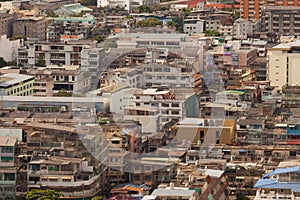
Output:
[[282, 171]]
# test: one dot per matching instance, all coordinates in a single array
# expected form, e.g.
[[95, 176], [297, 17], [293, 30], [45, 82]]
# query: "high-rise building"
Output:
[[253, 8]]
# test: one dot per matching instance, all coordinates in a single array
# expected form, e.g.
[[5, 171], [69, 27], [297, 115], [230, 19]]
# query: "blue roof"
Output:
[[271, 183], [282, 171]]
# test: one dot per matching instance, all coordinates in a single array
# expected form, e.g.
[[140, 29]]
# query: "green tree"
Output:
[[41, 62], [144, 9], [42, 195], [186, 11], [3, 63], [211, 33], [236, 15], [241, 196], [151, 22], [98, 198], [12, 63], [171, 24], [99, 38], [50, 13], [63, 93]]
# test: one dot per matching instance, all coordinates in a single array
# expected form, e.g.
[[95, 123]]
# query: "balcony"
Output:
[[274, 196]]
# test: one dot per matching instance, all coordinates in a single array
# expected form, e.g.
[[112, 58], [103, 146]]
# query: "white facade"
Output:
[[283, 64], [126, 4], [193, 26], [242, 28], [121, 99], [9, 48]]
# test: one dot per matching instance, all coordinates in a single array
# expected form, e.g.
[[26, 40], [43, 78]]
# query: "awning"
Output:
[[7, 158], [67, 177], [240, 177], [228, 150], [52, 177]]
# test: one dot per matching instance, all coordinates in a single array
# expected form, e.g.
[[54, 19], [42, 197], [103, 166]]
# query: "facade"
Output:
[[282, 20], [193, 26], [8, 146], [9, 53], [205, 131], [91, 63], [281, 183], [72, 28], [17, 84], [155, 107], [252, 9], [6, 23], [30, 27], [59, 53], [282, 64], [242, 28]]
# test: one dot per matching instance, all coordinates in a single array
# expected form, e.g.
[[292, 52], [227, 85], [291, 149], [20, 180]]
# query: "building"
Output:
[[128, 5], [282, 64], [54, 53], [67, 77], [9, 53], [205, 131], [70, 28], [282, 20], [8, 146], [6, 23], [72, 9], [290, 96], [17, 84], [242, 28], [252, 9], [92, 63], [155, 107], [281, 183], [30, 27], [193, 26]]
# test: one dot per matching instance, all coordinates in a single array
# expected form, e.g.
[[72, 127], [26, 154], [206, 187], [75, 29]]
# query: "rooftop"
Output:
[[8, 140], [12, 78]]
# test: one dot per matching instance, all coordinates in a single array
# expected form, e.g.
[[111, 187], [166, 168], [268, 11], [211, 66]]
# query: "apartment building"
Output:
[[242, 28], [156, 106], [206, 131], [70, 28], [6, 23], [282, 64], [290, 96], [17, 84], [67, 53], [282, 20], [73, 177], [92, 63], [193, 26], [8, 146], [252, 9], [67, 77], [30, 27]]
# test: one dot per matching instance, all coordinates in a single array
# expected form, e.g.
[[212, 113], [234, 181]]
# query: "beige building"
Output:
[[283, 61]]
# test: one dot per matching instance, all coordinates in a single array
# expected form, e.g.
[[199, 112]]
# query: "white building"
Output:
[[9, 53], [283, 64], [194, 26], [242, 28], [126, 4], [91, 60], [155, 107]]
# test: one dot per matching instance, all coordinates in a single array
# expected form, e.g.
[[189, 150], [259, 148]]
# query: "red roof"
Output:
[[191, 3], [217, 5]]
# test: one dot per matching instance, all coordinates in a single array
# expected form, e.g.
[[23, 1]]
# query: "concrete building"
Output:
[[59, 53], [10, 52], [242, 28], [282, 64], [282, 20], [91, 63], [193, 26], [8, 146], [17, 84], [6, 23], [30, 27], [128, 5], [156, 106], [205, 131]]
